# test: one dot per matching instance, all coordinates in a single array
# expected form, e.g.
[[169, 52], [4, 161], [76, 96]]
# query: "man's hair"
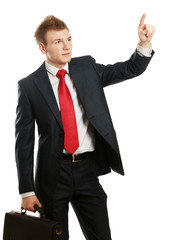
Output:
[[49, 23]]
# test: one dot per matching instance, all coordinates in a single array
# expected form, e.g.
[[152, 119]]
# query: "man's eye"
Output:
[[57, 42]]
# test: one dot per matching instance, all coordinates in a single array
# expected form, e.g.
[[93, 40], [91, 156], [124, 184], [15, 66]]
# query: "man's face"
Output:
[[58, 49]]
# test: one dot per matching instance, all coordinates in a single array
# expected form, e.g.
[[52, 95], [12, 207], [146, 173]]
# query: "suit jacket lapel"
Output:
[[79, 76], [43, 83]]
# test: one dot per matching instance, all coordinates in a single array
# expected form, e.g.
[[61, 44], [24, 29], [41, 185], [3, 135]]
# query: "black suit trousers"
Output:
[[79, 185]]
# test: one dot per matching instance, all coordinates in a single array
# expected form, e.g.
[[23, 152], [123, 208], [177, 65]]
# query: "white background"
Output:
[[147, 111]]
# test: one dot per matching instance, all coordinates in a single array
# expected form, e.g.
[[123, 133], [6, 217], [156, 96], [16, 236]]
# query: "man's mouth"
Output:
[[65, 54]]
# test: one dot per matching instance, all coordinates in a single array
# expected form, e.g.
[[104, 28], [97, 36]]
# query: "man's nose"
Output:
[[65, 45]]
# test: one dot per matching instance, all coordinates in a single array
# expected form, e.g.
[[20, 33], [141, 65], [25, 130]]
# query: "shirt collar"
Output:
[[53, 70]]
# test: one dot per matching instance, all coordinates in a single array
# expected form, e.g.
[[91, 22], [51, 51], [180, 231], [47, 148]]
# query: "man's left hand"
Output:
[[145, 32]]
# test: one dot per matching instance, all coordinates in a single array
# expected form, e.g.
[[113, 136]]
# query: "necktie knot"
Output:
[[61, 73]]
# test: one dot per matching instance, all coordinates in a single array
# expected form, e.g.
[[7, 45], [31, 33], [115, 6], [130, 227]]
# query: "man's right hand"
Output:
[[29, 202]]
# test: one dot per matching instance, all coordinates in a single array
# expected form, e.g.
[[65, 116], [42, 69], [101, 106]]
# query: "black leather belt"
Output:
[[78, 157]]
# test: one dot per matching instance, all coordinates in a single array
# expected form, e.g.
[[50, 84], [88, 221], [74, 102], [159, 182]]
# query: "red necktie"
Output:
[[71, 142]]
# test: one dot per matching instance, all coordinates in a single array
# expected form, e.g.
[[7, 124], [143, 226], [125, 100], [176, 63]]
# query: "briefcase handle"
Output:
[[37, 209], [40, 210]]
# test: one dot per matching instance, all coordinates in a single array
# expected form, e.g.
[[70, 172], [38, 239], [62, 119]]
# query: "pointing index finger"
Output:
[[142, 20]]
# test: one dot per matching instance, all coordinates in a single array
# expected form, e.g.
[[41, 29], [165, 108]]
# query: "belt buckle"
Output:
[[73, 159]]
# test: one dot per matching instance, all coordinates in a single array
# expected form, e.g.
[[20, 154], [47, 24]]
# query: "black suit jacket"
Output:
[[37, 103]]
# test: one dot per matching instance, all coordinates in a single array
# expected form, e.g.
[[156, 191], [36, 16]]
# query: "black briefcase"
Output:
[[21, 226]]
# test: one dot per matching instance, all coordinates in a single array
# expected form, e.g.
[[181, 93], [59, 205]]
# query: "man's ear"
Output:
[[42, 47]]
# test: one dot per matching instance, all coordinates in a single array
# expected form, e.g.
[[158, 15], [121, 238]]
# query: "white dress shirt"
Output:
[[85, 130]]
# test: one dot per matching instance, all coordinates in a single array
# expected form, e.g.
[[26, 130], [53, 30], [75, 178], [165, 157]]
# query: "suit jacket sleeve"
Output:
[[24, 133], [118, 72]]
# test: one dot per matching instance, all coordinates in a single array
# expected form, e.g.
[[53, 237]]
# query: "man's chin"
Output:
[[67, 59]]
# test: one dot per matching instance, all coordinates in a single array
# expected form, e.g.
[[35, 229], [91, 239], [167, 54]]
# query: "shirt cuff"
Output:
[[144, 51], [27, 194]]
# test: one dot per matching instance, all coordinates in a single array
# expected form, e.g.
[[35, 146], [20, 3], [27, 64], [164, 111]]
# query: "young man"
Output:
[[77, 141]]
